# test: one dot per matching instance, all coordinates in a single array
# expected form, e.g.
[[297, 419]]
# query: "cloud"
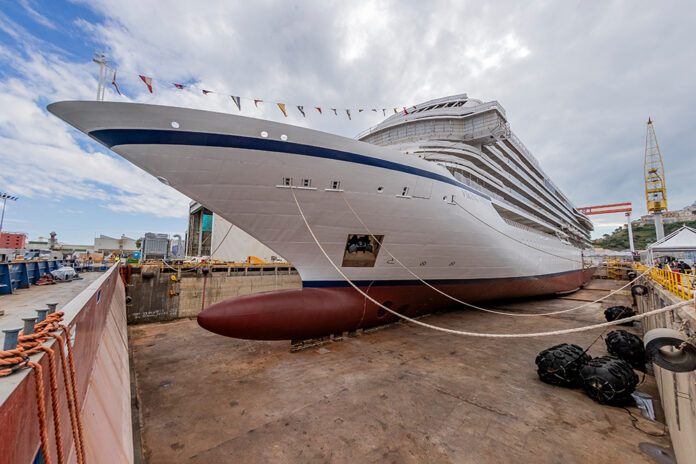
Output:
[[36, 16], [578, 81], [41, 157]]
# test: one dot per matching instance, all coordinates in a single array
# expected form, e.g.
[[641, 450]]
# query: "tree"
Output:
[[139, 242]]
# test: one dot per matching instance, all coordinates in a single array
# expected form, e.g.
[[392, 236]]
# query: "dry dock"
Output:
[[400, 394]]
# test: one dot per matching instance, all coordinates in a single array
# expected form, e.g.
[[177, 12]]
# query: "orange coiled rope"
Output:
[[81, 458], [18, 358], [41, 410]]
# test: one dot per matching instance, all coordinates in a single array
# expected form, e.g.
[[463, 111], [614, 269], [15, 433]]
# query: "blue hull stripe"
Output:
[[114, 137], [398, 283]]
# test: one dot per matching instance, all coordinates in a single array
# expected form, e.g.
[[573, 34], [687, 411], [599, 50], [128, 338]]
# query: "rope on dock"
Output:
[[18, 358], [457, 300], [478, 334]]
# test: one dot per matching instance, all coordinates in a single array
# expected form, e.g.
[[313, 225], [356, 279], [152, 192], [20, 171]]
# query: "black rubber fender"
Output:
[[628, 347], [560, 365], [619, 312], [639, 290], [609, 380]]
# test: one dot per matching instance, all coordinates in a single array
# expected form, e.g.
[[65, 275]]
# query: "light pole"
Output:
[[5, 197]]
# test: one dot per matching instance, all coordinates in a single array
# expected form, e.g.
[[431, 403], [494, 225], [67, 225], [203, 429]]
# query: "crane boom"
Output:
[[604, 209], [655, 185]]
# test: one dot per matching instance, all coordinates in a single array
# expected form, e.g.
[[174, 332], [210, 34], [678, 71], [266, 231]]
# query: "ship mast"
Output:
[[100, 59]]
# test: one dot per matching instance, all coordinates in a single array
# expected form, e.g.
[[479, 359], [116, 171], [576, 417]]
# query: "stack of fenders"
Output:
[[605, 379]]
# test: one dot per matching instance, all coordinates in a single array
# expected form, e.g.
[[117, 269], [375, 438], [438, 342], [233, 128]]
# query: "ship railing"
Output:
[[475, 185], [525, 151]]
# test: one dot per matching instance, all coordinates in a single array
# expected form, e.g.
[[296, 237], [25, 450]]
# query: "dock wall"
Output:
[[96, 318], [677, 389], [157, 294]]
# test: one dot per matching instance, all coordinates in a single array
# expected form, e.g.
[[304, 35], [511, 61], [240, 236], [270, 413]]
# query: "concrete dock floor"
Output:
[[400, 394], [24, 301]]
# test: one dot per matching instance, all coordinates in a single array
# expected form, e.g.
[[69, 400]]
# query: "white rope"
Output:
[[513, 238], [504, 313], [477, 334]]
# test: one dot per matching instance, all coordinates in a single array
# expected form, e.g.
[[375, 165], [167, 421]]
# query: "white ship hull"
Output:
[[445, 232]]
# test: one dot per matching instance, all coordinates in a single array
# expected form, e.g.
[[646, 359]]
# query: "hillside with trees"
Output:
[[642, 236]]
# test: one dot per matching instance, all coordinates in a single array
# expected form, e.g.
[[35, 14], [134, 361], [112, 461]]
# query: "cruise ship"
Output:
[[438, 203]]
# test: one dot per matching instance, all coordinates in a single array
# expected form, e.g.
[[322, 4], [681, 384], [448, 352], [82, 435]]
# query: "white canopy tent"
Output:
[[682, 240]]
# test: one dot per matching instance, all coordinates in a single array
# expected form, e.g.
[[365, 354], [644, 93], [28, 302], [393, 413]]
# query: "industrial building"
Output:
[[106, 244], [687, 213], [12, 240], [209, 235]]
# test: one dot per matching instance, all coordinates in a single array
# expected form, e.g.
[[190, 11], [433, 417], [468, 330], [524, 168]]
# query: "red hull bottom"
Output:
[[314, 312]]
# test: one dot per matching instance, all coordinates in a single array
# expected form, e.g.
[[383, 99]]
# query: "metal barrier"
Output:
[[21, 274], [679, 283]]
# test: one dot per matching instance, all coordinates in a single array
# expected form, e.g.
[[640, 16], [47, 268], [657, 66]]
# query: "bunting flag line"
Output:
[[238, 100], [113, 82], [147, 81]]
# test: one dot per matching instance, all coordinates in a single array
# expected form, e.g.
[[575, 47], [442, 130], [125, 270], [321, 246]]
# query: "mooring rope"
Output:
[[513, 238], [18, 358], [503, 313], [476, 334]]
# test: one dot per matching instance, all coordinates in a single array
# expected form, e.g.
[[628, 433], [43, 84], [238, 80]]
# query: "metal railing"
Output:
[[679, 283]]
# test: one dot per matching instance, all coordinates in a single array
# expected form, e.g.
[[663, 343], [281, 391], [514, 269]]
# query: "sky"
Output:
[[578, 80]]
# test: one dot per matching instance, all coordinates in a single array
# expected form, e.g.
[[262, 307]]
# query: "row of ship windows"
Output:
[[558, 196], [444, 105], [547, 182], [336, 185], [307, 183]]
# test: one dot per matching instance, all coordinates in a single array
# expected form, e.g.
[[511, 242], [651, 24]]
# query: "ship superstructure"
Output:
[[444, 196], [473, 140]]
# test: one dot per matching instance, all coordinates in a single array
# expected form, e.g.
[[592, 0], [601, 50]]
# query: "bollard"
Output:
[[10, 339], [41, 315], [52, 307], [29, 323]]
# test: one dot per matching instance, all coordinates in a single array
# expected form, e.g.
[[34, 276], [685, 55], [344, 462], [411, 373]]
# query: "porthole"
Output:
[[284, 138], [380, 189], [264, 134], [175, 124]]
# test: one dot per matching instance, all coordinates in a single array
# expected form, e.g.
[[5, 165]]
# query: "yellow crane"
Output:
[[655, 185]]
